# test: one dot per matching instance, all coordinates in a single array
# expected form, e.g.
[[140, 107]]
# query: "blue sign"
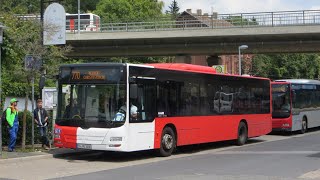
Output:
[[32, 62]]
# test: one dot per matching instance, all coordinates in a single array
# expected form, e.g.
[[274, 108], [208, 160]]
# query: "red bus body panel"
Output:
[[282, 123], [278, 123], [204, 129], [68, 137]]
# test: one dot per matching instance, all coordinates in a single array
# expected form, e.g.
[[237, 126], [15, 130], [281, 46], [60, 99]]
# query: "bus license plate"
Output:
[[84, 146]]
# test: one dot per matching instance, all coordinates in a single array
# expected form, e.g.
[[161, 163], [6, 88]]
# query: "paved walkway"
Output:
[[38, 153]]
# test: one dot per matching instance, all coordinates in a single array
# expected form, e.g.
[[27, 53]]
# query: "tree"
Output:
[[21, 38], [281, 66], [128, 10], [240, 21], [20, 6], [174, 10], [71, 6]]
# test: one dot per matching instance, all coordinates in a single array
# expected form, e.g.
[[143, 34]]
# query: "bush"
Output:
[[5, 133]]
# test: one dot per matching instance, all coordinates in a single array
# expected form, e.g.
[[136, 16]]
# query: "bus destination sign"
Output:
[[88, 75], [279, 88]]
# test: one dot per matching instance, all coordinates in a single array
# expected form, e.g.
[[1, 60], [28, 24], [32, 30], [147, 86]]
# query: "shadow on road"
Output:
[[283, 133], [105, 156]]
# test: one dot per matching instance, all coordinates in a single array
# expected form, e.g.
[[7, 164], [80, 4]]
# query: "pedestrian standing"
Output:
[[13, 123], [41, 119]]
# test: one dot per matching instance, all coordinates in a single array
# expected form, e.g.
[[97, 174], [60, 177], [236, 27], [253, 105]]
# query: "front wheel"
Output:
[[168, 142], [304, 126], [242, 134]]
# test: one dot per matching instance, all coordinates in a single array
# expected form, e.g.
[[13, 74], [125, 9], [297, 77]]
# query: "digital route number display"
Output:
[[92, 75]]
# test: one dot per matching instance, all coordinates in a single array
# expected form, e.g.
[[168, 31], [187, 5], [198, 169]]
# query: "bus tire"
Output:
[[242, 134], [168, 142], [304, 125]]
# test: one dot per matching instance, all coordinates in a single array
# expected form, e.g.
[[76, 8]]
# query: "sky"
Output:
[[245, 6]]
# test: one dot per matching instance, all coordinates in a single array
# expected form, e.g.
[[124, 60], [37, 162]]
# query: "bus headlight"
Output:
[[57, 136], [115, 138]]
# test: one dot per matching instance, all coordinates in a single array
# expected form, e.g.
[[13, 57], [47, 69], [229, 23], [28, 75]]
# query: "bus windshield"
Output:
[[281, 101], [94, 105]]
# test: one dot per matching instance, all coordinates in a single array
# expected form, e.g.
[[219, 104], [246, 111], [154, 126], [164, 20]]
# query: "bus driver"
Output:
[[133, 109]]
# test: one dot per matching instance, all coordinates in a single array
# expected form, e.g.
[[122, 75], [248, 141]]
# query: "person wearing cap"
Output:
[[41, 119], [13, 121]]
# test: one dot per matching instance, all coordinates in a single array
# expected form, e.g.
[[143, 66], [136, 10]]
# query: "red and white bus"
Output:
[[296, 104], [175, 106], [88, 22]]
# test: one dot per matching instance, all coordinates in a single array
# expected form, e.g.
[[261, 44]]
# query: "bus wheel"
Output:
[[242, 134], [168, 142], [304, 125]]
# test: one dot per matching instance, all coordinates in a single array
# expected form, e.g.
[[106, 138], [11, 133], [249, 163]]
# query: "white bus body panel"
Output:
[[141, 136], [313, 119], [99, 138], [135, 137]]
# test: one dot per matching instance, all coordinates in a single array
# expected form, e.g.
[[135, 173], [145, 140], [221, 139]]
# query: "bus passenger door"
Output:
[[143, 96]]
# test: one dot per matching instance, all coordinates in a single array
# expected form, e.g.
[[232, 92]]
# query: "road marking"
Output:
[[311, 175]]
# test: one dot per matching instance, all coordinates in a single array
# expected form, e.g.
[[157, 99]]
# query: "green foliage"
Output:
[[128, 10], [173, 10], [240, 21], [24, 38], [71, 6], [20, 6], [281, 66]]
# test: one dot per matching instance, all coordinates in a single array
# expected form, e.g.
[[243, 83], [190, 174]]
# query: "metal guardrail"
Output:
[[241, 20]]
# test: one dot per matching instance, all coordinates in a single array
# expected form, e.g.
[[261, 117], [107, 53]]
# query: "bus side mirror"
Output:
[[133, 91]]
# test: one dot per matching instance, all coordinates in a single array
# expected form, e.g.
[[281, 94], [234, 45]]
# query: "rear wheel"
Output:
[[242, 134], [168, 142], [304, 126]]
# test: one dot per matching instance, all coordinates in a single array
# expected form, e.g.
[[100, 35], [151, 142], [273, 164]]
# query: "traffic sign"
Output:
[[32, 62], [219, 68]]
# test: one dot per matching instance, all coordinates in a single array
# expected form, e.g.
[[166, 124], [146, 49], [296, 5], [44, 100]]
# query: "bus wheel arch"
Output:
[[304, 124], [242, 134], [168, 141]]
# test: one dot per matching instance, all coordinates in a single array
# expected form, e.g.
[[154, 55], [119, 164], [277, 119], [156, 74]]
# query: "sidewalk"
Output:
[[38, 153]]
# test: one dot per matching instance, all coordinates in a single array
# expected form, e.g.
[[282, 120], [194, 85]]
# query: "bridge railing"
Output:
[[241, 20]]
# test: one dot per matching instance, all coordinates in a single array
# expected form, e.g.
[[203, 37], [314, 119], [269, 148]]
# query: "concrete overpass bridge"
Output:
[[190, 34]]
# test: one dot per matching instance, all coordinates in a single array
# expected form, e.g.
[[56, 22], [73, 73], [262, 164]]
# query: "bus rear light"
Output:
[[114, 145]]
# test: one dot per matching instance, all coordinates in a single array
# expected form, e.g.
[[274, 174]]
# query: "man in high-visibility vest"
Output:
[[13, 122]]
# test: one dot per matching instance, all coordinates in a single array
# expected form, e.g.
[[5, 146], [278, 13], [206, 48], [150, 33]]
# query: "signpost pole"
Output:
[[1, 39], [0, 103], [32, 81]]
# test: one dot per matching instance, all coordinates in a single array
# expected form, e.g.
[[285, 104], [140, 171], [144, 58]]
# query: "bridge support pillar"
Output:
[[197, 60], [214, 60], [183, 59]]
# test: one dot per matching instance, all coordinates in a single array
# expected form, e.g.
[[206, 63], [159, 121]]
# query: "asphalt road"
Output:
[[293, 157]]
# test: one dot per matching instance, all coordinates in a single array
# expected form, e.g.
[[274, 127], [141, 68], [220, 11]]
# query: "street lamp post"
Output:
[[242, 47], [78, 16]]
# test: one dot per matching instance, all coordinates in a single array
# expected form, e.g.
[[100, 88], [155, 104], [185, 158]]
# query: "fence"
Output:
[[241, 20]]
